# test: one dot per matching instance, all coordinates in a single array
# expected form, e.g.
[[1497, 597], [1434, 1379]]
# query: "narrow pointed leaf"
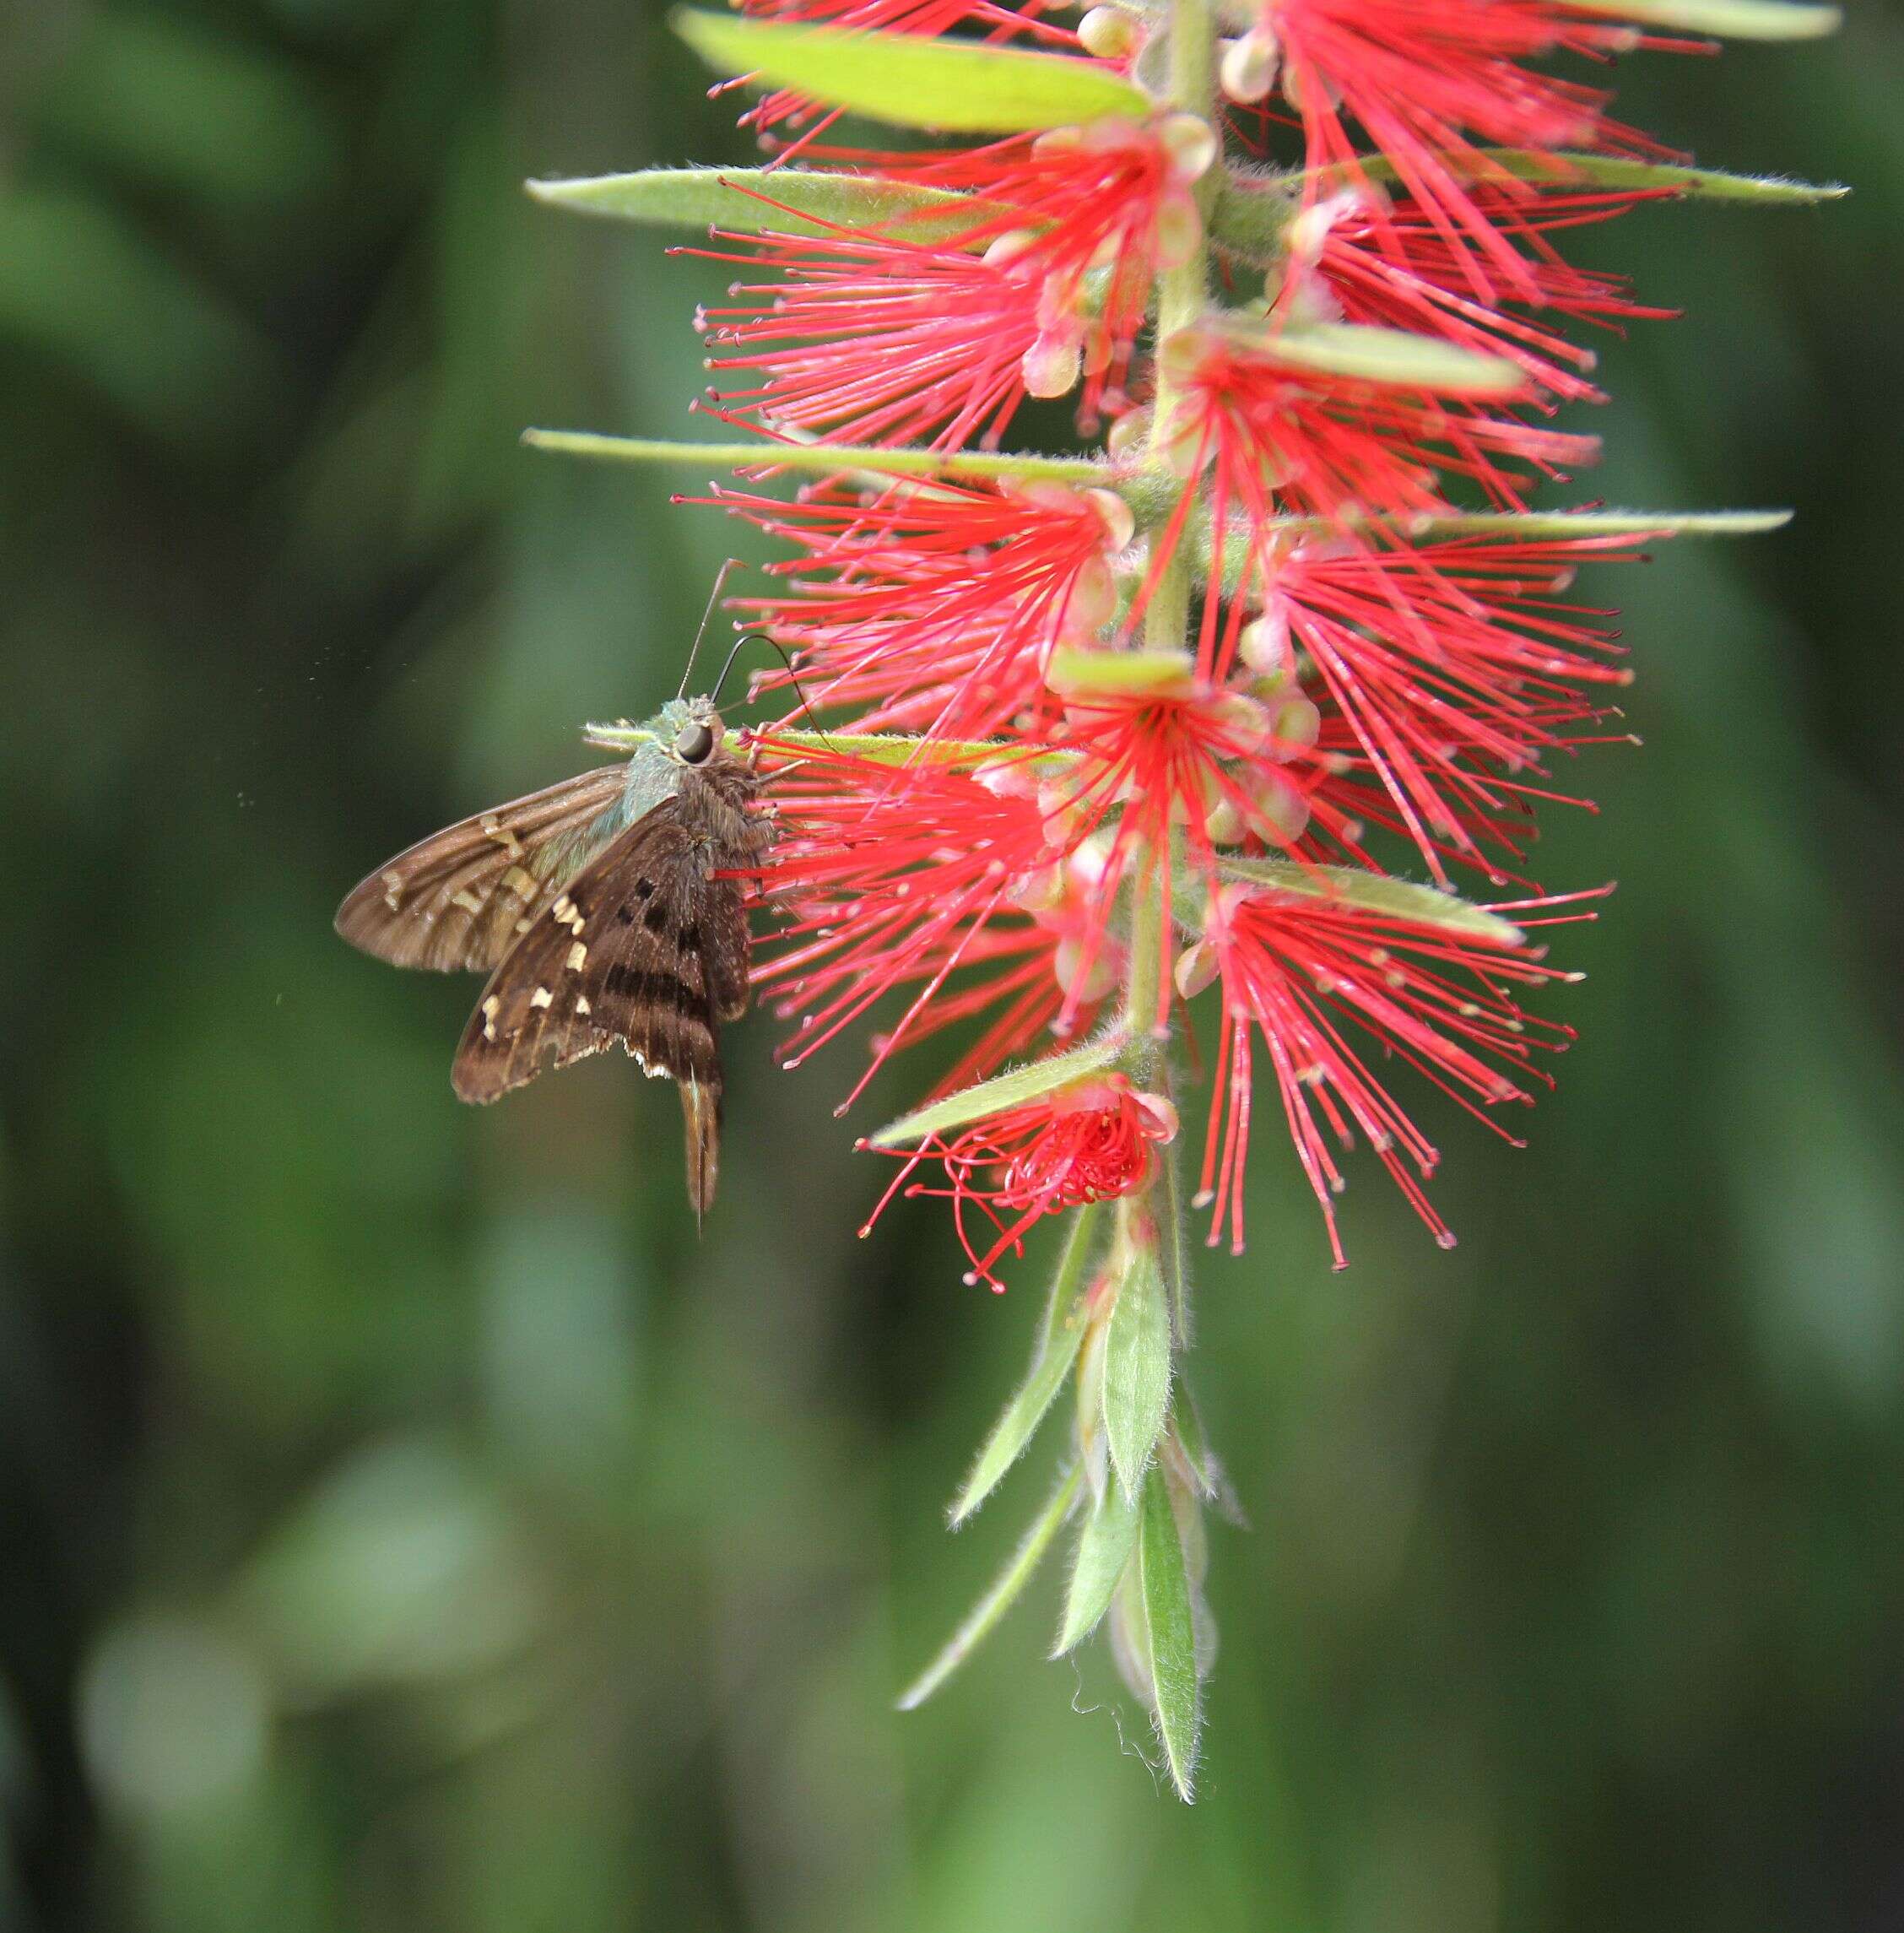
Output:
[[1136, 1368], [1731, 20], [829, 459], [1057, 1350], [1622, 172], [1077, 674], [1170, 1626], [1105, 1545], [1393, 355], [785, 200], [912, 80], [997, 1601], [1011, 1088], [1378, 894], [1173, 1239]]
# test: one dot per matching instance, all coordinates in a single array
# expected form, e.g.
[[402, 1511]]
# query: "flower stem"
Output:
[[1183, 292]]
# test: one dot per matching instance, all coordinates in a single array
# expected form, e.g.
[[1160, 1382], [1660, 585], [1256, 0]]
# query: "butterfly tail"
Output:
[[700, 1113]]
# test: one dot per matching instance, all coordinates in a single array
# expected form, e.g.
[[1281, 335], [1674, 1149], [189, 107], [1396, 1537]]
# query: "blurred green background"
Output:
[[404, 1523]]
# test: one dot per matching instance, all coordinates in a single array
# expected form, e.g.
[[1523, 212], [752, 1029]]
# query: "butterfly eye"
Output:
[[693, 742]]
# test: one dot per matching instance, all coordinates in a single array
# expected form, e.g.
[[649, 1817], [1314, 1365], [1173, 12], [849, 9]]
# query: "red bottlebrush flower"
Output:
[[1295, 969], [1354, 257], [1456, 666], [1094, 1141], [1156, 779], [872, 339], [1427, 80], [901, 335], [936, 610], [957, 888], [1282, 436]]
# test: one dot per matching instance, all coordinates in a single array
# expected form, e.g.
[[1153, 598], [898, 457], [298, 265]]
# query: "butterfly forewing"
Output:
[[463, 897]]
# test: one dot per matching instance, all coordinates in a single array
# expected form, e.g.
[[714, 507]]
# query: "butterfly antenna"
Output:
[[793, 678], [707, 618]]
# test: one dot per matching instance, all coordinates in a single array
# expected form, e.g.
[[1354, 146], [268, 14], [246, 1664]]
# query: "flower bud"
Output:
[[1084, 983], [1109, 33], [1197, 967], [1248, 69], [1264, 645], [1092, 604], [1180, 229], [1052, 365], [1296, 725], [1191, 144], [1127, 436], [1120, 525], [1278, 811], [1005, 249]]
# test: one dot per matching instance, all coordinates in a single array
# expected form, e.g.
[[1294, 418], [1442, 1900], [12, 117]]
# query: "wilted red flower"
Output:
[[1092, 1141], [1294, 968]]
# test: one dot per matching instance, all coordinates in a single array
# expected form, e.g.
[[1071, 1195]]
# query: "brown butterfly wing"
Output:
[[645, 948], [463, 896]]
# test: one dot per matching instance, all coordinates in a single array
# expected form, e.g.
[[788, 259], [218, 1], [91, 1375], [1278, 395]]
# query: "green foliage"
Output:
[[1136, 1361]]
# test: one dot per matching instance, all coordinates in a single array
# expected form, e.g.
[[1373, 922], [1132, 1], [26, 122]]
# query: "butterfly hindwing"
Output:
[[644, 947], [464, 897]]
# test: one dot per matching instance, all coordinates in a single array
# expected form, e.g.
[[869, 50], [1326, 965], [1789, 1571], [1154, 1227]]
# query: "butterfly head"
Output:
[[689, 731]]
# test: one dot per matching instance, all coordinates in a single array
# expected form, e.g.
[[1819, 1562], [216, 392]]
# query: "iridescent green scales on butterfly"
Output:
[[602, 910]]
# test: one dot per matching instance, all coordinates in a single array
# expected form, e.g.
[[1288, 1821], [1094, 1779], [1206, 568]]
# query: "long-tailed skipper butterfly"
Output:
[[603, 912]]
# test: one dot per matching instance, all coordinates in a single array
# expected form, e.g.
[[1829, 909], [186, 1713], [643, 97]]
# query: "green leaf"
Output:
[[1136, 1365], [961, 87], [1173, 1253], [1732, 20], [1529, 525], [1105, 1545], [997, 1601], [830, 458], [759, 198], [876, 748], [1375, 893], [1194, 1444], [1057, 1350], [1076, 674], [1011, 1089], [1369, 355], [1170, 1629], [1619, 171]]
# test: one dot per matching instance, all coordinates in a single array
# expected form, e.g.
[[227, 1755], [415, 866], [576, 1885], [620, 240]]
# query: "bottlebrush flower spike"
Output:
[[1295, 968], [936, 610], [1095, 1141], [1089, 751], [1430, 81]]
